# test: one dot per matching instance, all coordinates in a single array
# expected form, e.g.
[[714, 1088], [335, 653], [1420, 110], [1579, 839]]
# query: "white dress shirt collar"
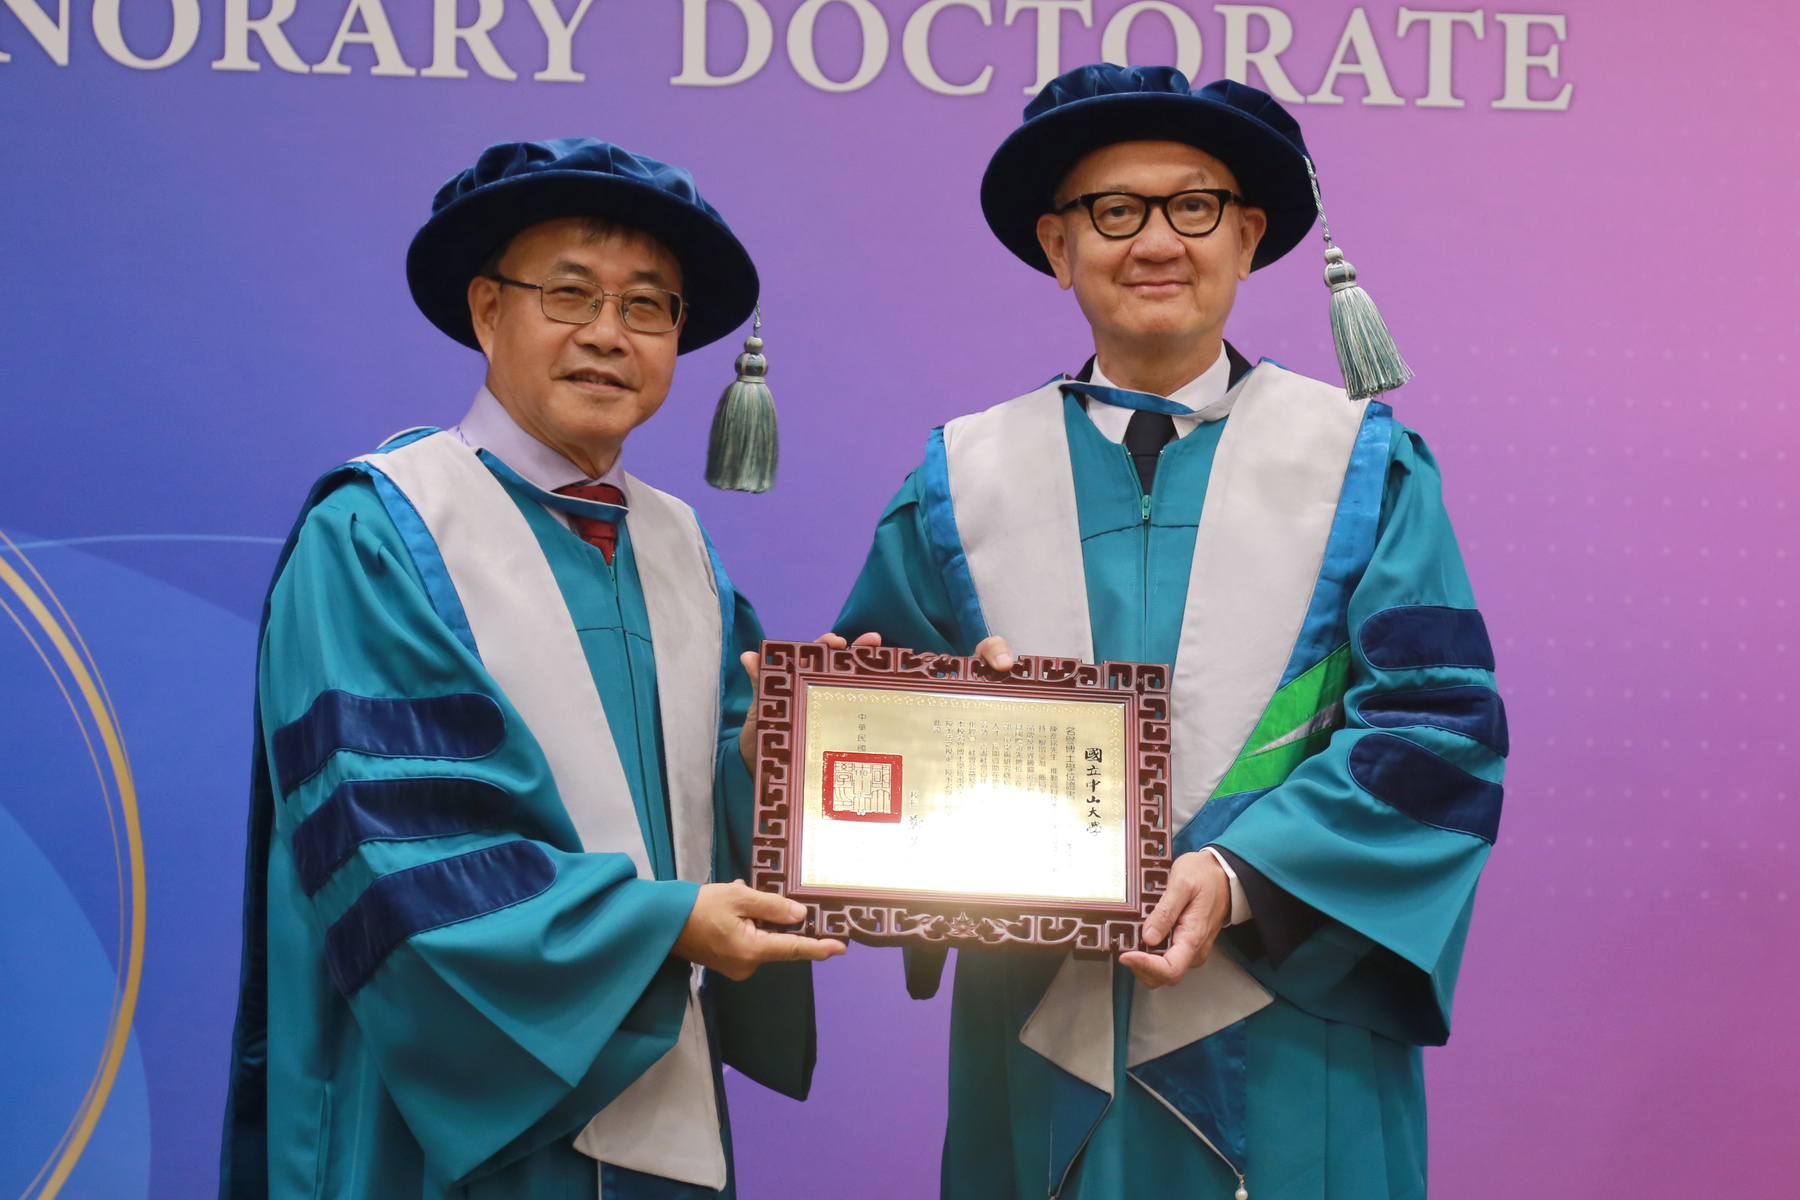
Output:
[[488, 426], [1205, 394]]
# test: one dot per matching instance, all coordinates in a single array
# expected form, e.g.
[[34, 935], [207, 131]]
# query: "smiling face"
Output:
[[579, 389], [1156, 294]]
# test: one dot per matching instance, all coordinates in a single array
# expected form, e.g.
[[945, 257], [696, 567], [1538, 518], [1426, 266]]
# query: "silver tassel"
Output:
[[1370, 361], [745, 447]]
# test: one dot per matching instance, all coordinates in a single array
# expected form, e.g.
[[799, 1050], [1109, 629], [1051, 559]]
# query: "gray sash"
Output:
[[1269, 508], [666, 1123]]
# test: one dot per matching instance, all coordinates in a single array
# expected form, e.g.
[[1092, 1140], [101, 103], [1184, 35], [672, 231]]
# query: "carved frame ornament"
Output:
[[889, 919]]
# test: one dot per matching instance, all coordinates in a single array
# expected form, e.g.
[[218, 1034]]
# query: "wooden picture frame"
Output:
[[875, 783]]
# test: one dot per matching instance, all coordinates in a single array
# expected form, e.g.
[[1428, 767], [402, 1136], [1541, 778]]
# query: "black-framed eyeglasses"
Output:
[[1193, 213], [578, 302]]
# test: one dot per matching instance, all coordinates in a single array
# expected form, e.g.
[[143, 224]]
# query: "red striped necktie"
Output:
[[603, 535]]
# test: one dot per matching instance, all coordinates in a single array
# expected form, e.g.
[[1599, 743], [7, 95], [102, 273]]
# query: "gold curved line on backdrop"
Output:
[[106, 800], [74, 1140], [75, 632], [112, 823], [86, 675]]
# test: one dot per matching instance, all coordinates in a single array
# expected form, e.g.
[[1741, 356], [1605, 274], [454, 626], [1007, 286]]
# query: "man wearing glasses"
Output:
[[498, 771], [1336, 740]]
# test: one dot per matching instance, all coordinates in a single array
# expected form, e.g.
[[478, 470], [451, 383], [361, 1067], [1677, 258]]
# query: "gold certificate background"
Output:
[[1004, 832]]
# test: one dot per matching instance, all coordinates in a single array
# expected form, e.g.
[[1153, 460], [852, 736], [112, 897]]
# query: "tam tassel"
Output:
[[1370, 361], [745, 447]]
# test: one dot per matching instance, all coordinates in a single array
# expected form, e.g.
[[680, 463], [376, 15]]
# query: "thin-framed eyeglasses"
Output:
[[578, 302], [1193, 213]]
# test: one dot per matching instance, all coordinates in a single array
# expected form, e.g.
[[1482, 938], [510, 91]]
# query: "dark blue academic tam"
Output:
[[1099, 105], [516, 184]]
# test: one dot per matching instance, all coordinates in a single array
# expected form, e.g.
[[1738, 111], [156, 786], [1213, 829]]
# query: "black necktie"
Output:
[[1145, 437]]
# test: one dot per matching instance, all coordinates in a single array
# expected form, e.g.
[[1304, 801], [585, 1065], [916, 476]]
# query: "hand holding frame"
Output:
[[1196, 905]]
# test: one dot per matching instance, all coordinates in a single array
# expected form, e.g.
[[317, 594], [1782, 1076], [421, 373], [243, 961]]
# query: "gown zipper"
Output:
[[1144, 506], [1144, 513], [1144, 616], [1144, 563], [1242, 1192]]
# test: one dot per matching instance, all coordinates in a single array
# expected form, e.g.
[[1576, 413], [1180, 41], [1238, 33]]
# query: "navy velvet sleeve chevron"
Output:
[[1426, 787], [1473, 711], [1363, 863], [462, 726], [390, 810], [429, 896], [428, 885], [1427, 635]]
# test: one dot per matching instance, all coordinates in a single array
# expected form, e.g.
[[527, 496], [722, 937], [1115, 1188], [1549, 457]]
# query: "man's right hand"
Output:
[[753, 667], [721, 933], [837, 643]]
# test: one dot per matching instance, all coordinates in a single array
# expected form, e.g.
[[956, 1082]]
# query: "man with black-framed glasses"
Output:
[[1336, 742], [496, 939]]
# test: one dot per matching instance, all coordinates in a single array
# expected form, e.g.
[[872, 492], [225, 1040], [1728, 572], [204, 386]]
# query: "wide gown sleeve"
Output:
[[900, 593], [506, 984], [765, 1024], [1373, 847]]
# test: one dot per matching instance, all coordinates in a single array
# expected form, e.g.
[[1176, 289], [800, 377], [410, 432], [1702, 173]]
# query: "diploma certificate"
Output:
[[906, 796]]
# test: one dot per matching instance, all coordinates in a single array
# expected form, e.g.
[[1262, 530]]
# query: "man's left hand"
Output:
[[1196, 906]]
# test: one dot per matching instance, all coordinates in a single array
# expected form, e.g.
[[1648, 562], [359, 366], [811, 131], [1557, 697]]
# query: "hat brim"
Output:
[[719, 281], [1023, 175]]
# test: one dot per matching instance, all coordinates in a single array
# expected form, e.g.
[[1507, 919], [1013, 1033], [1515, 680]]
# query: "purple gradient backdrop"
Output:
[[206, 310]]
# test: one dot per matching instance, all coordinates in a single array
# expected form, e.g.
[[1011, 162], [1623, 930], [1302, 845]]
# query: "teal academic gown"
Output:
[[541, 983], [1352, 897]]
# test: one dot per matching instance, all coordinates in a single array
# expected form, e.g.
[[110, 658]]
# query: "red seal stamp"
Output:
[[862, 787]]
